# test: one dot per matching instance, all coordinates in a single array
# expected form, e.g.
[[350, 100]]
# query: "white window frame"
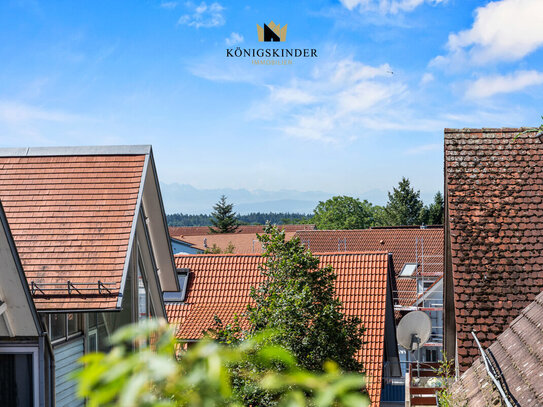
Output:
[[403, 272], [32, 350], [178, 296]]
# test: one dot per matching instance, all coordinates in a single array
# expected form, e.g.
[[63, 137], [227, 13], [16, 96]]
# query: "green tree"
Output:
[[343, 212], [297, 301], [224, 218], [404, 206], [436, 210]]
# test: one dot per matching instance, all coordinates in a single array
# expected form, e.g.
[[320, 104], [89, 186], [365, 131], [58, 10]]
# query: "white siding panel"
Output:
[[66, 357]]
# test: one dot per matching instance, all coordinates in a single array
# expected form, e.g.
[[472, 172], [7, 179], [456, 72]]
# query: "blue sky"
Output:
[[389, 76]]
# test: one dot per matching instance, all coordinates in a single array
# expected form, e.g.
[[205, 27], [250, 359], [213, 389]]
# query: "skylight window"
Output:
[[179, 296], [408, 270]]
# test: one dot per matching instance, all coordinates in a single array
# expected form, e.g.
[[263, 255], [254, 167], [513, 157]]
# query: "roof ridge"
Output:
[[486, 129], [136, 149], [380, 252]]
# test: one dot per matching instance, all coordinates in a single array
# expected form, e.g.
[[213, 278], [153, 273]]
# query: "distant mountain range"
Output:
[[183, 198]]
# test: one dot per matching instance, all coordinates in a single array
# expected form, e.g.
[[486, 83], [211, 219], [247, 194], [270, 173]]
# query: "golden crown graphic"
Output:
[[271, 32]]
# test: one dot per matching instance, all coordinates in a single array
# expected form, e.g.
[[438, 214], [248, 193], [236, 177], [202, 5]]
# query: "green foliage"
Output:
[[436, 210], [217, 250], [224, 218], [153, 377], [534, 130], [297, 301], [446, 372], [343, 212], [255, 218], [404, 206]]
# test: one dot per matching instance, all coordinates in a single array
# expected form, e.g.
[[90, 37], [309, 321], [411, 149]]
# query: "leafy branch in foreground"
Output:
[[152, 376]]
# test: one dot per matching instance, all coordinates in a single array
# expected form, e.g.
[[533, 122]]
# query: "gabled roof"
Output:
[[243, 243], [494, 189], [407, 245], [73, 214], [252, 229], [517, 355], [220, 285], [18, 315]]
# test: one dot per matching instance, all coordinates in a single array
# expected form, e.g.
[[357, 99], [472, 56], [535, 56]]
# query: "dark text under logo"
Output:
[[272, 32], [271, 54]]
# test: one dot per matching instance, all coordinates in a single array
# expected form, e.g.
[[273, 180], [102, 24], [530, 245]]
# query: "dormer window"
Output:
[[179, 296], [408, 270]]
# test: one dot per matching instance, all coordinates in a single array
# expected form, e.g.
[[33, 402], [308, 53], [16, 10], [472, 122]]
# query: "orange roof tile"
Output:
[[220, 285], [71, 217], [405, 244]]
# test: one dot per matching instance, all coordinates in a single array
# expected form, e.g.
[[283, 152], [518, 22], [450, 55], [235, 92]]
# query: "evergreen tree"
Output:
[[404, 206], [223, 217], [436, 210]]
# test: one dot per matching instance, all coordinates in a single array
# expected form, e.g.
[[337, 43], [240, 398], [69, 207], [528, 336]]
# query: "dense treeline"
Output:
[[256, 218], [404, 207]]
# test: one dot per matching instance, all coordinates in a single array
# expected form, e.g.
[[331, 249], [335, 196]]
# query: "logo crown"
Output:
[[271, 32]]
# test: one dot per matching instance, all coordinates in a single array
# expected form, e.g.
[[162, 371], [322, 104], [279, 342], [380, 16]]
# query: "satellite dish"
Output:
[[414, 330]]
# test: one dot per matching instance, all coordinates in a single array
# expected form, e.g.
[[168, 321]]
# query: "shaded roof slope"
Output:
[[518, 355], [71, 217], [494, 188], [220, 285], [204, 230], [407, 244]]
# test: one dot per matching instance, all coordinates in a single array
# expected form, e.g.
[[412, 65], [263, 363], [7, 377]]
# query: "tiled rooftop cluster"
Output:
[[204, 230], [71, 218], [243, 243], [518, 356], [220, 285], [401, 242], [495, 195]]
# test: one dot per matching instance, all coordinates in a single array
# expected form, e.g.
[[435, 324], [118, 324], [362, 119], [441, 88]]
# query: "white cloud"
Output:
[[204, 15], [15, 112], [234, 39], [426, 78], [505, 30], [170, 5], [387, 6], [488, 86], [333, 102]]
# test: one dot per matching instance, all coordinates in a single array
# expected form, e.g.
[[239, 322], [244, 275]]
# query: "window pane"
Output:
[[142, 296], [92, 320], [58, 326], [16, 379], [73, 324]]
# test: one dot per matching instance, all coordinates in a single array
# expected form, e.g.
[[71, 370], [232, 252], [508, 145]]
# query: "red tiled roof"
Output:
[[518, 354], [407, 244], [494, 188], [252, 229], [71, 218], [220, 285], [244, 243]]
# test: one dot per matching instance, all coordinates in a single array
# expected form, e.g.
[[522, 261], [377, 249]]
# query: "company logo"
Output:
[[272, 32], [275, 54]]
